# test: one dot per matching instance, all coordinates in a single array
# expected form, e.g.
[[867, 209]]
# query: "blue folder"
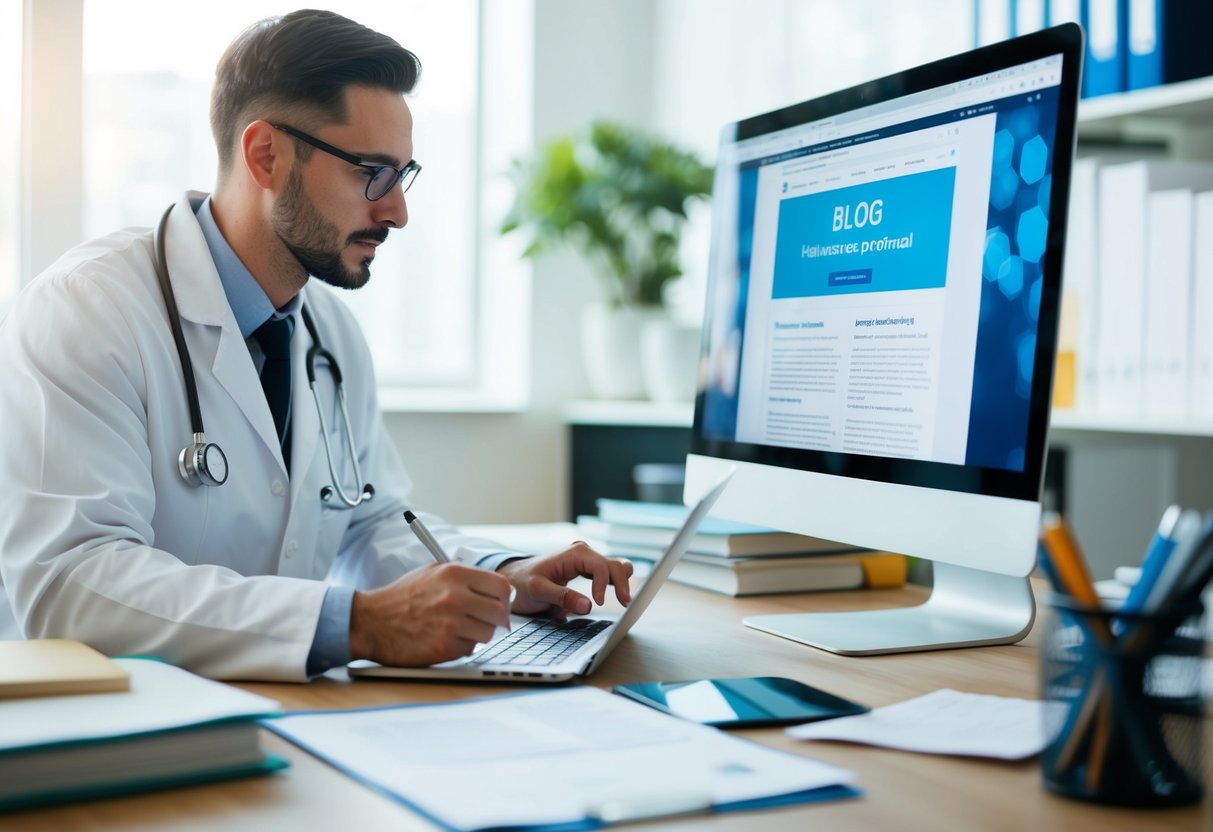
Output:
[[1104, 67], [834, 792], [1168, 41]]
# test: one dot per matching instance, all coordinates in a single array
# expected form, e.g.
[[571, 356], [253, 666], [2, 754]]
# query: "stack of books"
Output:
[[738, 558], [75, 725]]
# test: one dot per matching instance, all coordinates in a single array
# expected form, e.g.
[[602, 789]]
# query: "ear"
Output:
[[263, 150]]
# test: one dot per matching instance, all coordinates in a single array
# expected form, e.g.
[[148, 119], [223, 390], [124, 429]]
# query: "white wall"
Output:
[[592, 60]]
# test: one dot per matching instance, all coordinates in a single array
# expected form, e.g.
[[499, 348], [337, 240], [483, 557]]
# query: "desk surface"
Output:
[[686, 634]]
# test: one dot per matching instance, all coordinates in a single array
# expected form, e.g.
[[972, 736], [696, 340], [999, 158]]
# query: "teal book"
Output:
[[171, 728], [621, 524]]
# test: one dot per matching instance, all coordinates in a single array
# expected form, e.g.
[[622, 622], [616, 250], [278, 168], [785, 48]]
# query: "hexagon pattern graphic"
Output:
[[1031, 233], [1018, 144], [1032, 160]]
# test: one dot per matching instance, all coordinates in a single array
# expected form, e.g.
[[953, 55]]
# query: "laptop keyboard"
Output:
[[541, 641]]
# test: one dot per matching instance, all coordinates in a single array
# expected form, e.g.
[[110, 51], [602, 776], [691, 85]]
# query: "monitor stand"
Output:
[[967, 608]]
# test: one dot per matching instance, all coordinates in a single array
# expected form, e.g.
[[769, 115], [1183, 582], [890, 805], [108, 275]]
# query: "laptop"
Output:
[[544, 650]]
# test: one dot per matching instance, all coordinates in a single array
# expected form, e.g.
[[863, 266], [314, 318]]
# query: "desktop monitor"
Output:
[[881, 327]]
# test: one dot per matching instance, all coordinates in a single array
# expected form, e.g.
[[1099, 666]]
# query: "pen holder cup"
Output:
[[1123, 706]]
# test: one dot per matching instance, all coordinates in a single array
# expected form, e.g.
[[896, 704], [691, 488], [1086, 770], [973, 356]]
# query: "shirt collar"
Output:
[[250, 304]]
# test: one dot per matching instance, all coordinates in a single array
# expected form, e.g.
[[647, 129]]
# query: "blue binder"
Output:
[[1168, 41], [1104, 68]]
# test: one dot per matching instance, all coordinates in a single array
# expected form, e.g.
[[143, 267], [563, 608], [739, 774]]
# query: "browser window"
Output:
[[869, 239]]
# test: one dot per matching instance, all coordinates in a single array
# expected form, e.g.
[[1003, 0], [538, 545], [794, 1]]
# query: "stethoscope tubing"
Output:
[[317, 350]]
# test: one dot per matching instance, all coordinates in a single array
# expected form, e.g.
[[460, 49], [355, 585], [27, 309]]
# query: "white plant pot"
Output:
[[610, 345], [669, 355]]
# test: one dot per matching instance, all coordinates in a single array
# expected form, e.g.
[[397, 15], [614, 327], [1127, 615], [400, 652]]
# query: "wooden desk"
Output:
[[686, 634]]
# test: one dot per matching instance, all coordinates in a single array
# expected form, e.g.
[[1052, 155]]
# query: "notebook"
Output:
[[52, 667], [495, 661]]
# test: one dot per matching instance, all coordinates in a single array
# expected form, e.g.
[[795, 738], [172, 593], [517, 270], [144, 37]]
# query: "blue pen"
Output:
[[1196, 572], [1159, 551], [1185, 535]]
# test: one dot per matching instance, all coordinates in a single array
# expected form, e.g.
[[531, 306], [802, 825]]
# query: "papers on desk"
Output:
[[573, 757], [943, 722]]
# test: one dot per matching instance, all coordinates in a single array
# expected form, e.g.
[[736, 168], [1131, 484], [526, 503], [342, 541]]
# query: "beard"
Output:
[[314, 241]]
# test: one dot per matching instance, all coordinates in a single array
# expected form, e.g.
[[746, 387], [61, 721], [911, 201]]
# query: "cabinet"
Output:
[[607, 440]]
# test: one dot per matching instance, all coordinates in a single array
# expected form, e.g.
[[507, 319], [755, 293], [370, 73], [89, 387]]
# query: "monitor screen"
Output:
[[883, 303]]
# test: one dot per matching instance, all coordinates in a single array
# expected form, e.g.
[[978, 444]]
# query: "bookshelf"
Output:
[[1185, 102], [1177, 120], [1122, 471]]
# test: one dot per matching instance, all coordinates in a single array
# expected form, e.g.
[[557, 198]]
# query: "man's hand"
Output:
[[433, 614], [542, 582]]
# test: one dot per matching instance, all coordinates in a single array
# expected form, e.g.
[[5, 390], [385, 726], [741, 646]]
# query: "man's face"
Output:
[[323, 216]]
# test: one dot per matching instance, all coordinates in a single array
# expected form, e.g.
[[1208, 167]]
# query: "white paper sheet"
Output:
[[943, 722], [547, 757]]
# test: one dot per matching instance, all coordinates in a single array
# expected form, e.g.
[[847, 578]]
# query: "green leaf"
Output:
[[617, 194]]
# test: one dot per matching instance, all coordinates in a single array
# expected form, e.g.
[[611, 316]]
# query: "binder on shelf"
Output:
[[1065, 11], [1169, 247], [1123, 197], [170, 729], [1200, 405], [1028, 16], [1103, 70], [993, 21], [1168, 41], [1078, 332]]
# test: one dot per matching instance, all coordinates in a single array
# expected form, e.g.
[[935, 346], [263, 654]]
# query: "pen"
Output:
[[1071, 571], [1157, 555], [440, 555], [1196, 571], [427, 539]]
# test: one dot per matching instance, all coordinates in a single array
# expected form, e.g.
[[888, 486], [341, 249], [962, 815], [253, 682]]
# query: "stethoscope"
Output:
[[204, 463]]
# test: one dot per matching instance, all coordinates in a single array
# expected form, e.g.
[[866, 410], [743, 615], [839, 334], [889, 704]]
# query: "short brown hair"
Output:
[[298, 66]]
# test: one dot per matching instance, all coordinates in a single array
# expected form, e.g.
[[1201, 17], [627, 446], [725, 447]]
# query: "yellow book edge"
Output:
[[883, 571], [57, 667]]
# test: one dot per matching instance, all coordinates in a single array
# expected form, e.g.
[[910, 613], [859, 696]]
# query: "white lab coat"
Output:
[[101, 539]]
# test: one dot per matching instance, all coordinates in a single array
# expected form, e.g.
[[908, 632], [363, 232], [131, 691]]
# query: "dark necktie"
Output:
[[274, 336]]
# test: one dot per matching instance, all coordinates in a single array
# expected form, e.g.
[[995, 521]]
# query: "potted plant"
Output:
[[620, 196]]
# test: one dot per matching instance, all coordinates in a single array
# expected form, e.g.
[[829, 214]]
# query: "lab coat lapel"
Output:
[[217, 341], [305, 425]]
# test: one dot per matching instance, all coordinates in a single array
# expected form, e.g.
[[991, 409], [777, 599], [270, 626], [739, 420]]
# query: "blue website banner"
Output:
[[876, 237]]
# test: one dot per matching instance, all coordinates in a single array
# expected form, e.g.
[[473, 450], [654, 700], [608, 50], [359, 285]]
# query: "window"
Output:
[[10, 150], [147, 140]]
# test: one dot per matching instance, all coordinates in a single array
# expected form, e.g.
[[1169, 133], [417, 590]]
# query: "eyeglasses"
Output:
[[380, 178]]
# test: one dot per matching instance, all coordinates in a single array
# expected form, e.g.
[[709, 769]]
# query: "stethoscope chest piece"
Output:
[[202, 463]]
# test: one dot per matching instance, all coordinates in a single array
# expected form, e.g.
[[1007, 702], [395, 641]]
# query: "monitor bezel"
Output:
[[1065, 40]]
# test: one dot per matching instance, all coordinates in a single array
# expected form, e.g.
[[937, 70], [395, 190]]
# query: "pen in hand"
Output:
[[440, 556], [427, 539]]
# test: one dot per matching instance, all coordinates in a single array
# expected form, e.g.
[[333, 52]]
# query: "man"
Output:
[[109, 534]]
